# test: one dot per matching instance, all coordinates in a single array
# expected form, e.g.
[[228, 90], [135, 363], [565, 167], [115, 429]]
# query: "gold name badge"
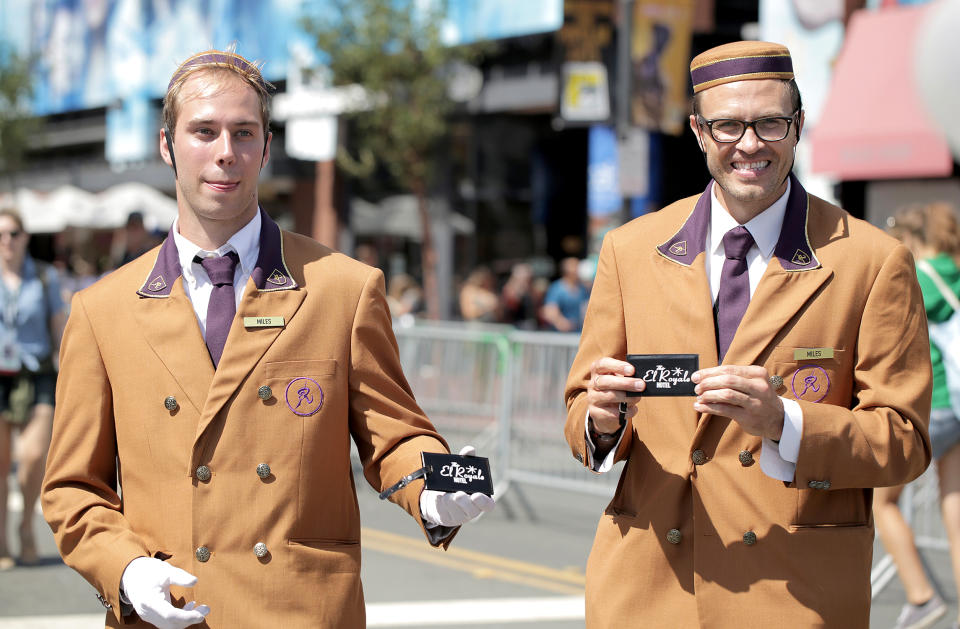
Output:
[[812, 353], [263, 322]]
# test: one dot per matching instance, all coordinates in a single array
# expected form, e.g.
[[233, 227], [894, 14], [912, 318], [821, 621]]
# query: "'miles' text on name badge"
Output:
[[263, 322], [812, 353]]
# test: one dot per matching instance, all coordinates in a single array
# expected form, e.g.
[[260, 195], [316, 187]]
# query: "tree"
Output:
[[393, 49], [16, 121]]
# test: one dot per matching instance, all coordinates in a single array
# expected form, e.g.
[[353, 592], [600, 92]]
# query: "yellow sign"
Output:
[[263, 322], [812, 353]]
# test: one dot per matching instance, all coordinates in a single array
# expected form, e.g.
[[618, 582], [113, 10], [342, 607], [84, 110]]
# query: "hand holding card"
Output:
[[458, 488]]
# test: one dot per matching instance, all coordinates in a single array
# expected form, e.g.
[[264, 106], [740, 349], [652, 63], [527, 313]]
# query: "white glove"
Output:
[[146, 584], [439, 508]]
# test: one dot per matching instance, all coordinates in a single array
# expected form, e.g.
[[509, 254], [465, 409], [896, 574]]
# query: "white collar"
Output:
[[765, 227], [246, 242]]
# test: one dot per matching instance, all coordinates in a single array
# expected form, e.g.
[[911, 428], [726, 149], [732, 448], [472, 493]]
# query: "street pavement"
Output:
[[520, 567]]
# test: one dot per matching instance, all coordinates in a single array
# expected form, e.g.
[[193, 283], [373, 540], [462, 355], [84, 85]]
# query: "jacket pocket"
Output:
[[833, 508], [812, 380], [325, 555]]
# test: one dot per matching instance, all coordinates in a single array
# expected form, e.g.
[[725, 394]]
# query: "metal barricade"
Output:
[[461, 377], [501, 390], [540, 454]]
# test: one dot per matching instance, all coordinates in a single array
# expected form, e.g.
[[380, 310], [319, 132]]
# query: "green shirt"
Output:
[[938, 311]]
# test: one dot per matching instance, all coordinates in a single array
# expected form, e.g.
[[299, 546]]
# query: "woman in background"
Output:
[[32, 316], [933, 235]]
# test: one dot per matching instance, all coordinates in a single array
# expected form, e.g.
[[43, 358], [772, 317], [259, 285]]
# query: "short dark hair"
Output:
[[794, 90]]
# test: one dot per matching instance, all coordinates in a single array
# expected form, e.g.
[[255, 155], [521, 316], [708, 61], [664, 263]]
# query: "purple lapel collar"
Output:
[[793, 248], [270, 273], [165, 271], [691, 240]]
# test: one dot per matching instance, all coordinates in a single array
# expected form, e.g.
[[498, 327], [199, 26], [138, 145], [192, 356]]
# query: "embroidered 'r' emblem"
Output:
[[277, 278], [679, 248], [813, 382], [800, 258]]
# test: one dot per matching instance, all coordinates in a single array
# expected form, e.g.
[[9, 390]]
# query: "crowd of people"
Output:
[[521, 298]]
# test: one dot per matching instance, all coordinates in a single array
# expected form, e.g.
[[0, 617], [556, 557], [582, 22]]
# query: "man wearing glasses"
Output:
[[747, 502]]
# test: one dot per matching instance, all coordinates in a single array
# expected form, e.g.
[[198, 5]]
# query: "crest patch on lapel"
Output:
[[304, 396], [800, 258], [157, 284], [277, 278], [810, 383], [679, 248]]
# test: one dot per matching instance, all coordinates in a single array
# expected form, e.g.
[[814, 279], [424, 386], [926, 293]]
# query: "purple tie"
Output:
[[223, 305], [734, 292]]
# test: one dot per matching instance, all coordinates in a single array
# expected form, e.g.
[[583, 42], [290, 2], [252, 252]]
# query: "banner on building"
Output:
[[604, 203], [603, 177], [660, 64]]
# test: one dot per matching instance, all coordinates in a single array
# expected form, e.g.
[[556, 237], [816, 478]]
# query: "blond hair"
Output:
[[13, 214], [220, 64]]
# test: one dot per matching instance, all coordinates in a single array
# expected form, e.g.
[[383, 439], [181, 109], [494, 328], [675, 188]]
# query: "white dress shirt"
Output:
[[196, 282], [777, 461]]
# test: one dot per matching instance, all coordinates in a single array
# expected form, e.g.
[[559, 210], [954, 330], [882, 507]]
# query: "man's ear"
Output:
[[800, 120], [166, 149], [266, 150], [696, 131]]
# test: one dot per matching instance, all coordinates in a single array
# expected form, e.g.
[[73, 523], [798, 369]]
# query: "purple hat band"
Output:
[[221, 59], [741, 66]]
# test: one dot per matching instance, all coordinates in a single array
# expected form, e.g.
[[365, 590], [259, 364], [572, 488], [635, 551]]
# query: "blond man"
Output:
[[200, 465]]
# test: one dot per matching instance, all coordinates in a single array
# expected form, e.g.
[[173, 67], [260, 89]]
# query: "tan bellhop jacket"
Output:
[[696, 534], [212, 463]]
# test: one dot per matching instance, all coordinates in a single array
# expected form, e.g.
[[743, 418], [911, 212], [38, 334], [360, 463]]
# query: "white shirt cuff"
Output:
[[779, 461], [607, 464]]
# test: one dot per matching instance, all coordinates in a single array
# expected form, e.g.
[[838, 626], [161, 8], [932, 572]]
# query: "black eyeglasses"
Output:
[[772, 129]]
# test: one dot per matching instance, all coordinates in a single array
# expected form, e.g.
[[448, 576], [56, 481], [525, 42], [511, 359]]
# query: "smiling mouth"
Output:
[[755, 167]]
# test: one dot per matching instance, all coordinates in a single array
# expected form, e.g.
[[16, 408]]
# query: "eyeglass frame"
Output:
[[747, 124]]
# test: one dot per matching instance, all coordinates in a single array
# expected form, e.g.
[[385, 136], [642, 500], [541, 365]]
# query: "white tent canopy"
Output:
[[68, 206], [399, 216]]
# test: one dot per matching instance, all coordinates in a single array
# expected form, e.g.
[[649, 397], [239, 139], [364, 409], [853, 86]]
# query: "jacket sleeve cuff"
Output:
[[607, 463], [779, 460]]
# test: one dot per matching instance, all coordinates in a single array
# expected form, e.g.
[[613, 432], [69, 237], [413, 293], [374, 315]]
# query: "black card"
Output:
[[452, 472], [665, 374]]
